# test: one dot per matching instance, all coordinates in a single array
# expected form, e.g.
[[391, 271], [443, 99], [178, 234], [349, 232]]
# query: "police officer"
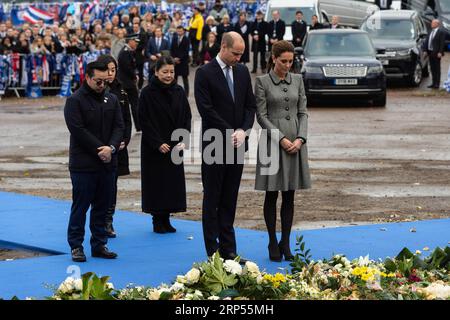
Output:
[[96, 126], [127, 74]]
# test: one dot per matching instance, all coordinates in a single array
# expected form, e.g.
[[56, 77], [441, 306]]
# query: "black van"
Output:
[[432, 9]]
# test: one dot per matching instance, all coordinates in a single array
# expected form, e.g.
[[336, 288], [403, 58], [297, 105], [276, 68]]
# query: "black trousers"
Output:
[[263, 59], [133, 97], [435, 68], [95, 190], [140, 69], [220, 193], [195, 50], [185, 84]]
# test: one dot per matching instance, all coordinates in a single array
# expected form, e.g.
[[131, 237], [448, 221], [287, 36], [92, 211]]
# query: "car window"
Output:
[[287, 14], [339, 44], [445, 6], [389, 28]]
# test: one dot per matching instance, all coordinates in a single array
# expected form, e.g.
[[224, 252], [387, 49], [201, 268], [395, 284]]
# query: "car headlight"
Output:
[[376, 69], [310, 69], [403, 53]]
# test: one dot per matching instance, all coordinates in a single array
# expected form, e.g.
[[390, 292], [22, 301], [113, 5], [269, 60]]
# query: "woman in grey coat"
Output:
[[282, 151]]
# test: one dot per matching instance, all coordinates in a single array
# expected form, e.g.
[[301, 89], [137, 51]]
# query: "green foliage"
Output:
[[302, 258], [95, 288], [215, 278]]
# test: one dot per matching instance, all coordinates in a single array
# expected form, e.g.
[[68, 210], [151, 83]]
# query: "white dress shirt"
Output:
[[223, 65]]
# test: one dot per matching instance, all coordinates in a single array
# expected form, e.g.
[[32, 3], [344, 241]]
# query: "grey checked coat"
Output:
[[281, 108]]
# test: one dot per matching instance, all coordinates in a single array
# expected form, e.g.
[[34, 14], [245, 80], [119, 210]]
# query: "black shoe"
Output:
[[431, 86], [158, 224], [78, 255], [286, 252], [233, 256], [169, 228], [274, 252], [104, 253]]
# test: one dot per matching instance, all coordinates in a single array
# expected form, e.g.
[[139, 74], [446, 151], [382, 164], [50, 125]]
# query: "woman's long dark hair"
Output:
[[278, 48], [107, 59], [163, 61]]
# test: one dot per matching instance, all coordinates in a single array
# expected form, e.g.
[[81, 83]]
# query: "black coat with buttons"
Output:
[[94, 120]]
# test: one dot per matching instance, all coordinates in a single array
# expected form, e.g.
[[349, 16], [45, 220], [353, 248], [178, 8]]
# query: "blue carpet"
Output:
[[146, 258]]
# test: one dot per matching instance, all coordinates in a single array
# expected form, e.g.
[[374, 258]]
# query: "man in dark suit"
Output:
[[299, 29], [180, 52], [277, 29], [259, 30], [384, 4], [156, 46], [225, 101], [94, 119], [435, 46], [127, 74]]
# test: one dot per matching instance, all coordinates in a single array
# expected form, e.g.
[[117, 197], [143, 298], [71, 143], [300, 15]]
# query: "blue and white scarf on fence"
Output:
[[4, 73]]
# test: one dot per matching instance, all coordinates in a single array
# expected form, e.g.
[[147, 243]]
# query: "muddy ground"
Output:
[[368, 164]]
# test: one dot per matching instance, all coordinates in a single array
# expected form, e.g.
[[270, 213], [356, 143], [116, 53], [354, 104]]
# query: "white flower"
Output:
[[109, 285], [68, 285], [193, 276], [78, 285], [338, 266], [189, 296], [153, 294], [233, 267], [176, 287], [213, 298], [251, 268], [181, 279], [259, 279], [198, 294], [438, 290], [363, 261]]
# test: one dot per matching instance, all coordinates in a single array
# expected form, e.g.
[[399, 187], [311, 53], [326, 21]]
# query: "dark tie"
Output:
[[158, 44], [229, 81]]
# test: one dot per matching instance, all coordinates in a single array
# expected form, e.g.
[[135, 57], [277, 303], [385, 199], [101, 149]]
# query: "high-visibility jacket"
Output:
[[197, 23]]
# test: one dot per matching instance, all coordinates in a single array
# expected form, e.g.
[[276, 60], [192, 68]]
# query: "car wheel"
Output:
[[416, 77], [381, 100]]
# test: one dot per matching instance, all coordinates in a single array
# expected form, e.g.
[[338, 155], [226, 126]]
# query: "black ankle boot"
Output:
[[274, 252], [169, 228], [109, 222], [110, 230], [158, 224], [285, 250]]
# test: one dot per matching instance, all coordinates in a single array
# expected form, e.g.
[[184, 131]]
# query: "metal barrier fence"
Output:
[[20, 72]]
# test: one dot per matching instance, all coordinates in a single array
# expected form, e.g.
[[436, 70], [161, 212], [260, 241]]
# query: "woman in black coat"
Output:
[[224, 27], [122, 155], [163, 108], [210, 50]]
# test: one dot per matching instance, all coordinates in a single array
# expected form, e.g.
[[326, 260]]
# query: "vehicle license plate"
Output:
[[345, 82]]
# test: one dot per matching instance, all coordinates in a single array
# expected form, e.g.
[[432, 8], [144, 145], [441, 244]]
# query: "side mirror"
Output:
[[423, 35], [299, 50]]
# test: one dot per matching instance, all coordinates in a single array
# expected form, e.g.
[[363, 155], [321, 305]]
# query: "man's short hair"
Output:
[[228, 40], [95, 65], [299, 11]]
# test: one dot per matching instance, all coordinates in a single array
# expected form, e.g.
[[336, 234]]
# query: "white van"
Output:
[[351, 13], [288, 8]]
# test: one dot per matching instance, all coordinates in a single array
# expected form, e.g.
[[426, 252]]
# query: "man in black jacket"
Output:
[[96, 126], [127, 75], [435, 47], [277, 29], [180, 52], [299, 29], [225, 101], [259, 30]]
